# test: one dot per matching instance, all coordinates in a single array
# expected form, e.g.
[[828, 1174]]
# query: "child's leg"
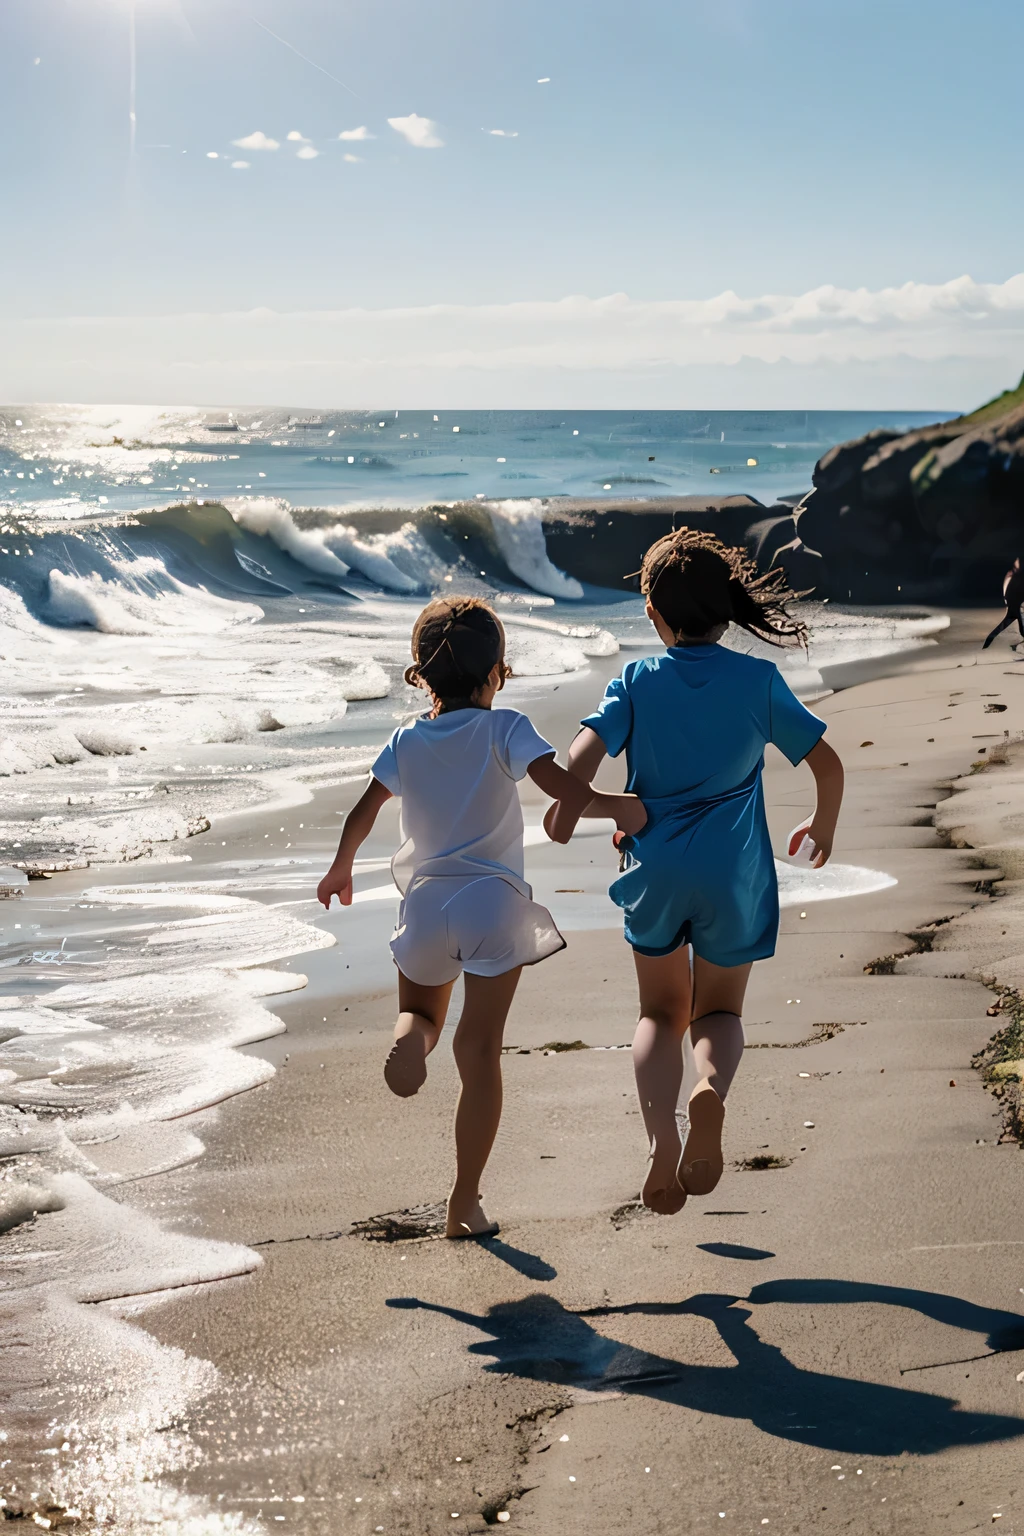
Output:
[[716, 1033], [716, 1036], [665, 991], [477, 1051], [422, 1012]]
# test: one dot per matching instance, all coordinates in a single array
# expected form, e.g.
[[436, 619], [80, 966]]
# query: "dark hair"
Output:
[[696, 583], [456, 644]]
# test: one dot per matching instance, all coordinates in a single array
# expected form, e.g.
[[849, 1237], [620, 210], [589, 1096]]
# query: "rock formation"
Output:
[[936, 514]]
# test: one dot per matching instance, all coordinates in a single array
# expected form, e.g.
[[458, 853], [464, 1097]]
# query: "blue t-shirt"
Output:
[[694, 722]]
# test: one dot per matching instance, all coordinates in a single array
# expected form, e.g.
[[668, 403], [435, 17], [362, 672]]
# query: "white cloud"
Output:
[[211, 154], [307, 152], [354, 159], [256, 140], [295, 137], [500, 133], [919, 346], [239, 165], [544, 80], [356, 134], [421, 132]]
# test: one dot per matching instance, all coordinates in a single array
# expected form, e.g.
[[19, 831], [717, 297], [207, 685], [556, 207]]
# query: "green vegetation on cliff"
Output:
[[1007, 401], [935, 514]]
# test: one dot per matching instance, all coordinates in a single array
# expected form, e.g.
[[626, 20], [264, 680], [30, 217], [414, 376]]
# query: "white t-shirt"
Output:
[[460, 807]]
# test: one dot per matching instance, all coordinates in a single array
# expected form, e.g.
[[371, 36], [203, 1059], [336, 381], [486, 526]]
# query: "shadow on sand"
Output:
[[537, 1338], [528, 1264]]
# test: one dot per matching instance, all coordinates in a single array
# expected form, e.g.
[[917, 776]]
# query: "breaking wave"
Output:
[[122, 605], [134, 642], [519, 533]]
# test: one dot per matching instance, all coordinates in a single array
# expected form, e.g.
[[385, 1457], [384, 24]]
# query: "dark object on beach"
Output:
[[761, 1161], [632, 1210], [413, 1225], [558, 1046], [1013, 596], [885, 965]]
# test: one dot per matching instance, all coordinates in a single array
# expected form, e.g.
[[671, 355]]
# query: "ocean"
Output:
[[240, 585], [79, 459], [205, 617]]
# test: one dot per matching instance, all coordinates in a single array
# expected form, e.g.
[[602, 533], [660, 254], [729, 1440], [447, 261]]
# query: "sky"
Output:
[[552, 203]]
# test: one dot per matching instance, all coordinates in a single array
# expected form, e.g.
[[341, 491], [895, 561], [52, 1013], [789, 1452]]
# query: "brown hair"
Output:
[[456, 644], [696, 583]]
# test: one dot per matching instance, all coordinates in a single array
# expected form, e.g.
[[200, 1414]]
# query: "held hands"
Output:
[[549, 822], [627, 811], [336, 882], [820, 834], [560, 821]]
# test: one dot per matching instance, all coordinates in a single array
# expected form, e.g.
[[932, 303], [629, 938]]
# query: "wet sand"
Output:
[[776, 1353]]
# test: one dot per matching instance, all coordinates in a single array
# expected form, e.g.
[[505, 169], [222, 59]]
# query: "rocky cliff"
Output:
[[936, 514]]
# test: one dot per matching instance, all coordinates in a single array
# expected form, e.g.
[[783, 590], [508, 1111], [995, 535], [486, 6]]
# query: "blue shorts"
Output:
[[702, 873]]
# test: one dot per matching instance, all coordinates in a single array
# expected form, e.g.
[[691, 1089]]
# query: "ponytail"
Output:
[[698, 584]]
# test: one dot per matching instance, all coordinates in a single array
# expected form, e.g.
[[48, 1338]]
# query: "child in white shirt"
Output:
[[466, 907]]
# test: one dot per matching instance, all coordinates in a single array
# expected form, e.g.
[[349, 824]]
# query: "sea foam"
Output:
[[125, 607], [95, 1076], [399, 562], [519, 533]]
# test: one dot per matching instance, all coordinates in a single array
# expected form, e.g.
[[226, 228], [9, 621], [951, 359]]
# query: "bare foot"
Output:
[[662, 1191], [468, 1219], [405, 1070], [702, 1155]]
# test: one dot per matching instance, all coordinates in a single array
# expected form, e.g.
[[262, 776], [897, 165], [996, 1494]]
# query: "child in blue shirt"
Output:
[[694, 724]]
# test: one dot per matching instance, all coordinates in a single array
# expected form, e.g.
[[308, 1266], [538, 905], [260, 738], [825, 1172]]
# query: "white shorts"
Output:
[[483, 925]]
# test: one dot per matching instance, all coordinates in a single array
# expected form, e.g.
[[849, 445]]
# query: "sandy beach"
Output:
[[630, 330], [827, 1342]]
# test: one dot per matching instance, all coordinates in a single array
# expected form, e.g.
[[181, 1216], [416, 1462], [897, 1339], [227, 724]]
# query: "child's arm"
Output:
[[574, 798], [828, 780], [586, 753], [358, 826]]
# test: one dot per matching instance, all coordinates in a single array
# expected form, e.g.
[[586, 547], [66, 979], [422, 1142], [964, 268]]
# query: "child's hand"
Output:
[[828, 781], [559, 822], [630, 816], [336, 882], [820, 836]]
